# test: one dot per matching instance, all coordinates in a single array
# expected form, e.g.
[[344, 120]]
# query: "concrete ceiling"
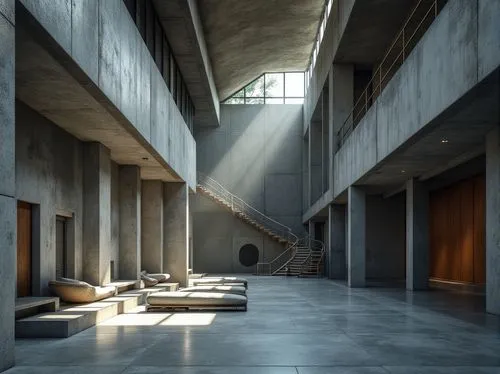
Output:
[[248, 38], [371, 28]]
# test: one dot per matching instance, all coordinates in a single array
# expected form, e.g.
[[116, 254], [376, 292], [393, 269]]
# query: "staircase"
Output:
[[307, 259], [302, 257], [216, 192]]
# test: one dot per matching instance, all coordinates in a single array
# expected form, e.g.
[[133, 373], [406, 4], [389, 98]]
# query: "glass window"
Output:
[[140, 18], [150, 27], [274, 85], [158, 45], [294, 100], [173, 77], [270, 88], [250, 100], [235, 100], [272, 100], [255, 88], [166, 63], [294, 84], [240, 93]]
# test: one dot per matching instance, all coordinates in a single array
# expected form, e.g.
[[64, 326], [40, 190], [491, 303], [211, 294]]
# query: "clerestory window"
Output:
[[271, 88]]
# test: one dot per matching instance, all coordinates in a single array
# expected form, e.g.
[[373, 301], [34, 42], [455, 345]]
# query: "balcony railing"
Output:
[[421, 17]]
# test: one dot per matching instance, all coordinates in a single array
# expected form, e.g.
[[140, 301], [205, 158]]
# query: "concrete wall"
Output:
[[7, 184], [218, 237], [256, 154], [385, 237], [424, 86], [49, 175], [104, 41]]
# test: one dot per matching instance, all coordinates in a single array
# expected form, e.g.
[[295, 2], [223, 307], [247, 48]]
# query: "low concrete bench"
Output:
[[72, 319], [29, 306]]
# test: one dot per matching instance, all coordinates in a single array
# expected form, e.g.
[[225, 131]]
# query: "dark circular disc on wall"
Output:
[[249, 255]]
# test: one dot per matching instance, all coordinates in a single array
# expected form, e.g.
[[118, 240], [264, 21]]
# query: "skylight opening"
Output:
[[319, 39], [272, 88]]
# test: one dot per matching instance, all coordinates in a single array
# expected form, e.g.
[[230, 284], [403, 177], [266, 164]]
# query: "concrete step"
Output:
[[167, 286], [72, 319]]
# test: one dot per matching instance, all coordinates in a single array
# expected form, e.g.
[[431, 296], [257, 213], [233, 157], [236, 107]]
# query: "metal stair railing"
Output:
[[237, 205], [315, 247], [287, 256]]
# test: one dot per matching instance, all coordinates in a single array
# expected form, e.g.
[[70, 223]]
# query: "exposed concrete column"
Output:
[[493, 221], [336, 241], [316, 156], [152, 226], [130, 222], [309, 167], [342, 97], [417, 236], [356, 237], [332, 135], [8, 209], [176, 231], [325, 140], [96, 214]]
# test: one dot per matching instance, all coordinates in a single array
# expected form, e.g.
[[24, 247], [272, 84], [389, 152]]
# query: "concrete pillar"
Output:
[[356, 237], [96, 214], [342, 97], [8, 210], [493, 221], [130, 222], [417, 236], [152, 226], [316, 157], [325, 140], [336, 241], [332, 135], [176, 231]]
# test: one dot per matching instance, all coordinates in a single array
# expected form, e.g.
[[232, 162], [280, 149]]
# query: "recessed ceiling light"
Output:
[[403, 171], [444, 140]]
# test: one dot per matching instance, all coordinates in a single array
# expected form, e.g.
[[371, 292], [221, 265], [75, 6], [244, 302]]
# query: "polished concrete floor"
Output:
[[305, 326]]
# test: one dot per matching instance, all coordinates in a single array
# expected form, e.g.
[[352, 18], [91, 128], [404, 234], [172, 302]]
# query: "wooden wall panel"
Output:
[[480, 230], [23, 249], [457, 231]]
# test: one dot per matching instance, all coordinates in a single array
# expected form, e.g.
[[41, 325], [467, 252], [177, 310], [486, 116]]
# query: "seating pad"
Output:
[[236, 290], [233, 281], [80, 292], [195, 300]]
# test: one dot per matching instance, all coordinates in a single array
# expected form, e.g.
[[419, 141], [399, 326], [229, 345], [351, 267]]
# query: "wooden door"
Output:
[[23, 249]]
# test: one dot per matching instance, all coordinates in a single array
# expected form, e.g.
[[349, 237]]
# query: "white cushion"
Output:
[[201, 299]]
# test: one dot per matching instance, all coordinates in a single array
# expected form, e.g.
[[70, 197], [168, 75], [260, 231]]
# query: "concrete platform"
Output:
[[28, 306], [74, 318], [168, 286]]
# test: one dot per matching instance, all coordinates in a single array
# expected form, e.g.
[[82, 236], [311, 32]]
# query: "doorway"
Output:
[[61, 247], [24, 249]]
